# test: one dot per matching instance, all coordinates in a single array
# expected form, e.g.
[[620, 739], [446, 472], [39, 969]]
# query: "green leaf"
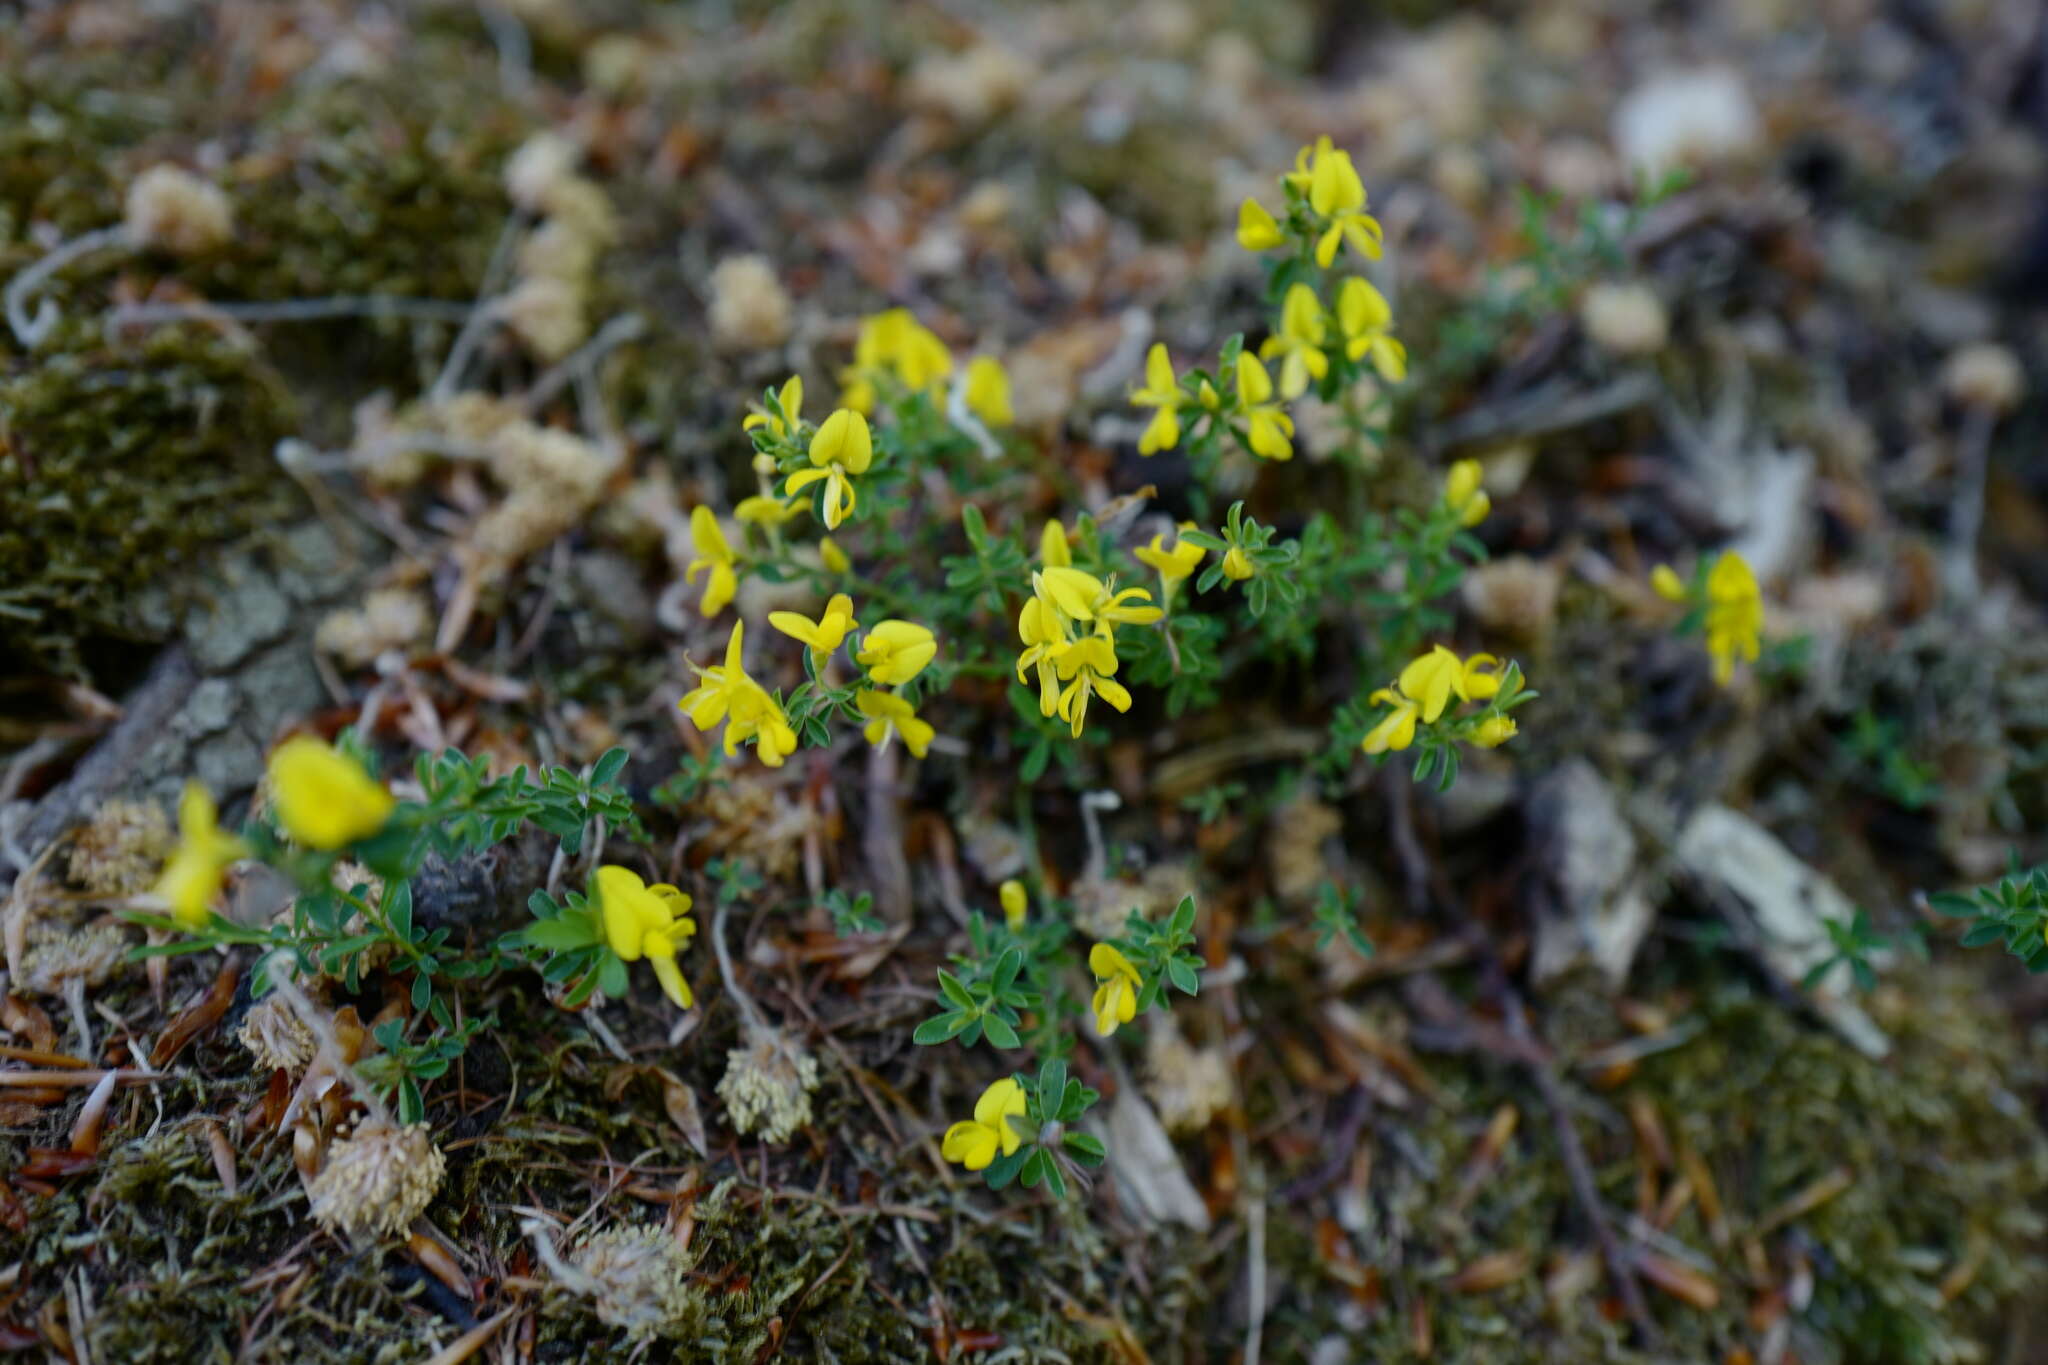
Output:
[[951, 987], [1085, 1146], [938, 1029], [422, 990], [1183, 975], [1983, 932], [1183, 920], [607, 766], [1952, 904], [1004, 1169], [561, 934], [398, 909], [611, 977], [412, 1106], [1000, 1031]]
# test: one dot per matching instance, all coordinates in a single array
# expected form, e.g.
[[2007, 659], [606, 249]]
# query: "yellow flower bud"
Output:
[[834, 558], [1668, 584], [1015, 902], [1494, 731], [1237, 565]]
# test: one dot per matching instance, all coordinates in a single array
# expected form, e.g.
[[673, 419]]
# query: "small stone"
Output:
[[1514, 595], [1687, 118], [535, 173]]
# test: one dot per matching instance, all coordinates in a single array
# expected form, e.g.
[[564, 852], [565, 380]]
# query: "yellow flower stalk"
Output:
[[1271, 429], [323, 798], [823, 635], [1464, 496], [714, 552], [974, 1142], [1162, 394], [890, 715], [1117, 984], [842, 447], [988, 391], [792, 398], [191, 880], [1735, 615], [1299, 341], [1173, 565], [1015, 902], [725, 693], [1365, 319], [895, 651], [1337, 194], [646, 921]]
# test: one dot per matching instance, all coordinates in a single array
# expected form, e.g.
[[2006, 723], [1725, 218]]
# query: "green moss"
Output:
[[122, 465], [1940, 1151]]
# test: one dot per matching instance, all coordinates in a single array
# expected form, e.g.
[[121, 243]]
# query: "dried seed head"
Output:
[[171, 209], [389, 619], [749, 307], [548, 314], [767, 1086], [123, 848], [1625, 319], [1986, 376], [638, 1278], [377, 1179], [1515, 595], [538, 168], [56, 956], [276, 1036], [1294, 848], [1187, 1084]]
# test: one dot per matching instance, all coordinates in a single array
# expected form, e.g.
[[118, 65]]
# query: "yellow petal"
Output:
[[323, 798], [1256, 228]]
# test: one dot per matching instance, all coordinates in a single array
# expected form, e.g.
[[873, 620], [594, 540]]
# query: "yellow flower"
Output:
[[832, 556], [1053, 550], [1014, 901], [646, 921], [1256, 229], [715, 554], [1084, 669], [323, 798], [1237, 565], [824, 634], [895, 651], [1668, 584], [1735, 615], [792, 400], [762, 510], [1364, 317], [1083, 597], [1173, 565], [1432, 680], [896, 343], [1043, 633], [988, 391], [725, 693], [1116, 988], [192, 878], [1480, 678], [1464, 496], [1336, 193], [974, 1142], [1300, 340], [1494, 731], [1271, 429], [1395, 730], [889, 715], [842, 446], [1162, 393]]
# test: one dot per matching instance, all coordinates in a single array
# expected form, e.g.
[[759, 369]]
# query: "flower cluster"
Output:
[[725, 692], [1420, 708], [1727, 603], [895, 353], [1068, 629], [1325, 201]]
